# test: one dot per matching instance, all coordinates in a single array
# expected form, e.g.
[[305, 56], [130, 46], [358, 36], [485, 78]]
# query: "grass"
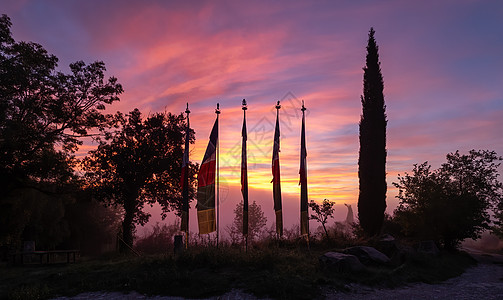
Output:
[[277, 272]]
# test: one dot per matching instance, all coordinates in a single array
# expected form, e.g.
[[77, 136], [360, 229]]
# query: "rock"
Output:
[[340, 262], [387, 245], [386, 239], [403, 254], [428, 247], [368, 255]]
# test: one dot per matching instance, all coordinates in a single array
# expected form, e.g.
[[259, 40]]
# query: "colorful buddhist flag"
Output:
[[276, 176], [304, 219], [244, 172], [184, 179], [206, 185]]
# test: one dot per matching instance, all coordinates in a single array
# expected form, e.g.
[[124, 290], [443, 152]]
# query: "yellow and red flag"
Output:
[[206, 185]]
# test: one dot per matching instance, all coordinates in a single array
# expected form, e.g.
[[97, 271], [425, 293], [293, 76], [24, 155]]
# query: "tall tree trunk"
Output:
[[326, 232], [127, 224]]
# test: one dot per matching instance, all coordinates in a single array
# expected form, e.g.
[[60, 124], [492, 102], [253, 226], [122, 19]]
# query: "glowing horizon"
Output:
[[260, 139]]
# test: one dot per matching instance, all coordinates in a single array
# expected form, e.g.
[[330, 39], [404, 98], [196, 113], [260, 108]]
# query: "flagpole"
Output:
[[187, 111], [245, 163], [217, 111]]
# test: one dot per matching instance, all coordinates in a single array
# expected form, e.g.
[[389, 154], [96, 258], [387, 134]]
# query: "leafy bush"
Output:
[[158, 240], [452, 203]]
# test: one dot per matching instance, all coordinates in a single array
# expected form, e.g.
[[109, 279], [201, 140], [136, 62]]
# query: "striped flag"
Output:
[[276, 187], [244, 172], [184, 179], [206, 186], [304, 219]]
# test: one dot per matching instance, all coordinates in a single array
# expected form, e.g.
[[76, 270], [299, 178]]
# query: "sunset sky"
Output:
[[442, 63]]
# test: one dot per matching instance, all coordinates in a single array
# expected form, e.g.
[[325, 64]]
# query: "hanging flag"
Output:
[[244, 172], [206, 186], [304, 219], [276, 187], [184, 179]]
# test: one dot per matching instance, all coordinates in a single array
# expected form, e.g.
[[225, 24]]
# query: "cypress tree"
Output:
[[372, 157]]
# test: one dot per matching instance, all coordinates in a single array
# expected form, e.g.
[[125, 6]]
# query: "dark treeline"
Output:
[[43, 116]]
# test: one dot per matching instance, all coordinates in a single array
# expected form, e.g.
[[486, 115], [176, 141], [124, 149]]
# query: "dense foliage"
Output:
[[44, 113], [140, 163], [372, 157], [158, 240], [453, 202]]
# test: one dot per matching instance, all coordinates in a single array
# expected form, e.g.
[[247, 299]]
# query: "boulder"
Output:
[[387, 245], [368, 255], [340, 262], [403, 254]]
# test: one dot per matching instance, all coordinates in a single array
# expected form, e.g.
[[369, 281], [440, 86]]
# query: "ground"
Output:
[[483, 281]]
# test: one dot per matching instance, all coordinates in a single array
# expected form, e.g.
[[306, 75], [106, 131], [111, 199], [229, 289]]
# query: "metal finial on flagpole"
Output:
[[217, 111], [278, 106], [243, 105], [303, 108]]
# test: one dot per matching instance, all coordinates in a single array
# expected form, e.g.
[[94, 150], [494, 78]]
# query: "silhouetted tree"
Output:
[[256, 222], [138, 164], [322, 212], [452, 203], [43, 116], [44, 110], [372, 159]]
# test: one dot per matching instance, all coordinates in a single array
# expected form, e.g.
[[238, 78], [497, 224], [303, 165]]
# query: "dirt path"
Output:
[[136, 296], [484, 281]]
